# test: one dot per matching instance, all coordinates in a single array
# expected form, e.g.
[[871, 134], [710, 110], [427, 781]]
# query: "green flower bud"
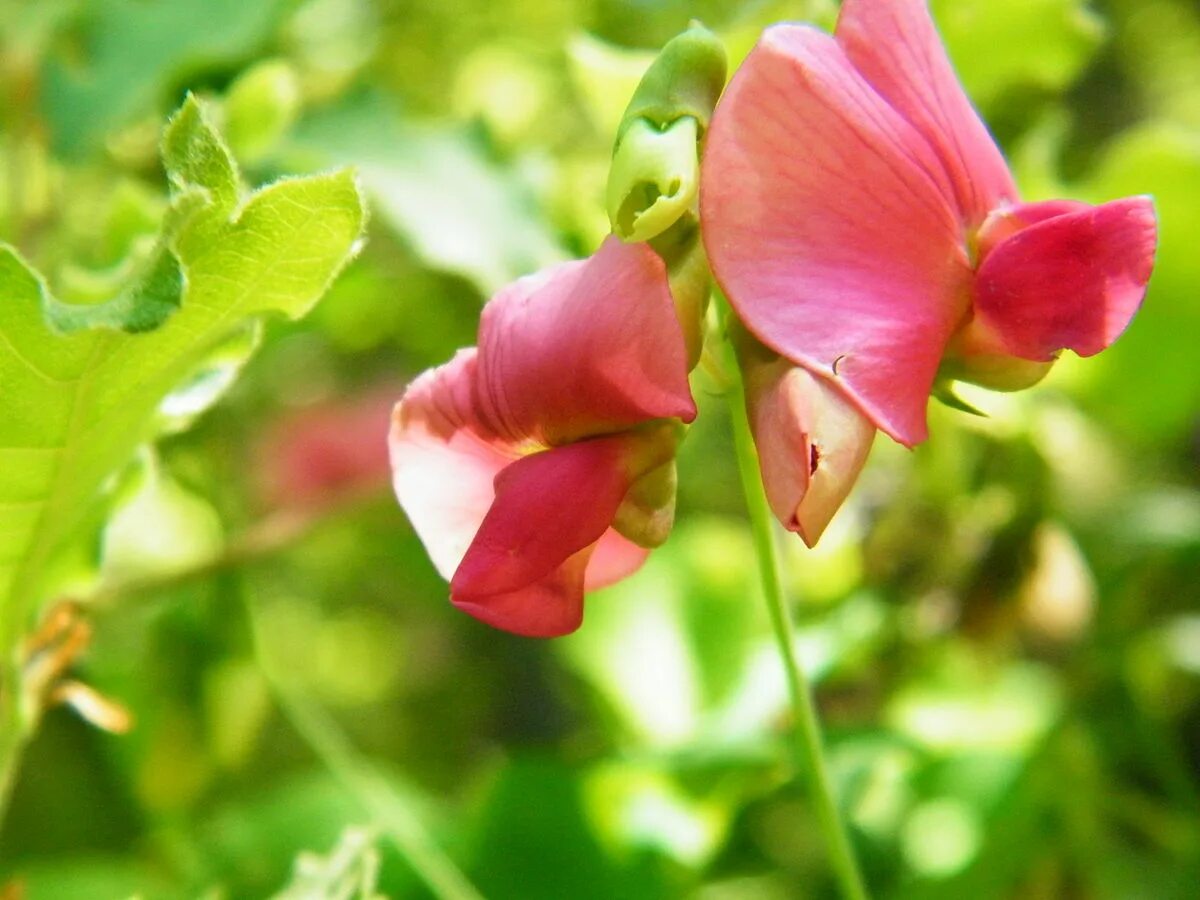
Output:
[[656, 158], [653, 179]]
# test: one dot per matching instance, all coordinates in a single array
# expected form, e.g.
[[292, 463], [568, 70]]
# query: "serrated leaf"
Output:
[[143, 306], [81, 389], [195, 156]]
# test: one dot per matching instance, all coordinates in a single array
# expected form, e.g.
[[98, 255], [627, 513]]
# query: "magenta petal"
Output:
[[553, 605], [584, 348], [442, 465], [830, 225], [549, 607], [548, 507], [1072, 281], [896, 47], [1005, 221]]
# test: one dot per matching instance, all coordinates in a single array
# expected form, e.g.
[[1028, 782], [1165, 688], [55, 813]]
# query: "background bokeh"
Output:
[[1004, 622]]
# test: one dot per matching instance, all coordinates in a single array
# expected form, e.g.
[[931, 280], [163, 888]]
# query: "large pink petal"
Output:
[[1071, 281], [829, 225], [895, 46], [548, 507], [584, 348], [443, 464], [812, 443]]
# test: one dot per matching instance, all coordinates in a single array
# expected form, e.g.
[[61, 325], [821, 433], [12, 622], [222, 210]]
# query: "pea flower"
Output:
[[542, 463], [867, 231]]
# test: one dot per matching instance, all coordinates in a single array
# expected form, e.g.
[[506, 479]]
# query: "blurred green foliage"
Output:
[[1004, 623]]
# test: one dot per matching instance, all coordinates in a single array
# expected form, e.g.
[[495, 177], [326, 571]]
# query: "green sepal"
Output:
[[655, 173], [654, 178], [943, 391], [685, 79], [690, 281]]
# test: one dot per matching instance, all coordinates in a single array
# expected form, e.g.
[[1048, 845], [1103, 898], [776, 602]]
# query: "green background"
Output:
[[1003, 622]]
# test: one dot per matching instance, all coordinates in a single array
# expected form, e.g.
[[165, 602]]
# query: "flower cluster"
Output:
[[871, 242]]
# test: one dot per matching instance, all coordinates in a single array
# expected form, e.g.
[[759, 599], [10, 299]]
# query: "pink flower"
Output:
[[326, 452], [542, 463], [865, 227]]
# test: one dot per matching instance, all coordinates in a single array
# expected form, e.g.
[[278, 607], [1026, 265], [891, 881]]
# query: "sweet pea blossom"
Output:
[[542, 463], [867, 231]]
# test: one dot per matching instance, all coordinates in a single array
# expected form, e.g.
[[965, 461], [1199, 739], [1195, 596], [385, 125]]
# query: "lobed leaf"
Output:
[[82, 385]]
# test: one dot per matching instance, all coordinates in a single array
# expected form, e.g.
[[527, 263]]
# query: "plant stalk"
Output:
[[362, 780], [806, 740]]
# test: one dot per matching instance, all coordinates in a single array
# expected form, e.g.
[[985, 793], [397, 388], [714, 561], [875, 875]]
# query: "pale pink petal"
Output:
[[584, 348], [896, 47], [812, 443], [548, 507], [1072, 281], [613, 559], [830, 225], [443, 465]]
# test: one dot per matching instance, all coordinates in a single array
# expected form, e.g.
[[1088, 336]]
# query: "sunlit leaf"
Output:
[[118, 78], [435, 187], [78, 403]]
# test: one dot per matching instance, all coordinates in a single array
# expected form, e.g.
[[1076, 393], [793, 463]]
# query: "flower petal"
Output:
[[549, 506], [444, 461], [549, 607], [613, 558], [584, 348], [829, 223], [1071, 281], [895, 46], [812, 443]]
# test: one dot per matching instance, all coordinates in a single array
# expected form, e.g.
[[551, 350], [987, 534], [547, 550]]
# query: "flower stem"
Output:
[[12, 739], [807, 744], [362, 780]]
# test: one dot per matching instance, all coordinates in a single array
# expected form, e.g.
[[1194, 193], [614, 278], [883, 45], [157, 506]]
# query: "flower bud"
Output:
[[656, 159]]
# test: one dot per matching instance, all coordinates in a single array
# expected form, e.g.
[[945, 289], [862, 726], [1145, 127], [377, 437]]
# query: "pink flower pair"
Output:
[[868, 234], [866, 229]]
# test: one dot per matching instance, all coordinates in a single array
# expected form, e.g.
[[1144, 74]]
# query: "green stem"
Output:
[[372, 791], [806, 735], [12, 738]]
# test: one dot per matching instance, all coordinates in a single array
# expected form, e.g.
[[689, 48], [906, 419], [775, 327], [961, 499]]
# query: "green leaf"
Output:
[[142, 306], [1042, 44], [1147, 385], [161, 527], [135, 50], [82, 385], [260, 107], [349, 872], [195, 156], [435, 187]]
